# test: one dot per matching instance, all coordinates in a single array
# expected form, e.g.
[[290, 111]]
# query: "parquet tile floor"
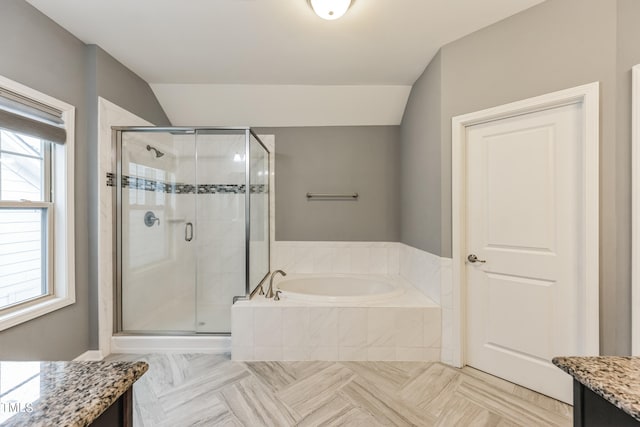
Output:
[[211, 390]]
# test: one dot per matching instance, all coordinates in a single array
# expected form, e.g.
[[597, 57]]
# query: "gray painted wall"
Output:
[[582, 41], [628, 55], [364, 159], [123, 87], [421, 172], [505, 63], [37, 52]]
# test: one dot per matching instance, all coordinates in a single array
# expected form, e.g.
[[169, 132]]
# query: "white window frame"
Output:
[[60, 247], [46, 204]]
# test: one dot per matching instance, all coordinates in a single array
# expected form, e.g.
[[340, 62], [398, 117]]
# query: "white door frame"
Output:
[[588, 304], [635, 211]]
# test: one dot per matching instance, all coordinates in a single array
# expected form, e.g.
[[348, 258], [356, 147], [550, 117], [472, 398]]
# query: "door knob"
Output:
[[473, 258]]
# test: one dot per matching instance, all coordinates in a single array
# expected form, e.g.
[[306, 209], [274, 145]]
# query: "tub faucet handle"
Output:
[[277, 297]]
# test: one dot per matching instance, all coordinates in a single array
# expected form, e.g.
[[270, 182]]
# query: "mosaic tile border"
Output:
[[179, 188]]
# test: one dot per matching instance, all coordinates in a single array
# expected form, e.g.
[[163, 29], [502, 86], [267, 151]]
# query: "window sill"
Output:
[[39, 308]]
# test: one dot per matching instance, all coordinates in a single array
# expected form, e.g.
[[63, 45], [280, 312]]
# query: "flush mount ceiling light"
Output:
[[330, 9]]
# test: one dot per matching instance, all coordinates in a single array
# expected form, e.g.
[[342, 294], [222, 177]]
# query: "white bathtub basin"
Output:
[[338, 288]]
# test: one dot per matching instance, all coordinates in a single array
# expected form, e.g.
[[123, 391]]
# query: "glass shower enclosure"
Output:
[[192, 227]]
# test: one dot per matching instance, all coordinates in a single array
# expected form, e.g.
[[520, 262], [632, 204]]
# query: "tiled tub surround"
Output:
[[404, 328], [430, 274], [337, 257]]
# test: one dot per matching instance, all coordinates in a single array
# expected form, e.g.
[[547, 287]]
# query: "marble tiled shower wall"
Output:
[[429, 273], [221, 231], [155, 258]]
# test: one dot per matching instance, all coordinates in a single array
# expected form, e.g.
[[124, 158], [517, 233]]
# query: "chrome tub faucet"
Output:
[[270, 293]]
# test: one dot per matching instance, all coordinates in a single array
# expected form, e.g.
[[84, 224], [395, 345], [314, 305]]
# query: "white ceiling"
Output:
[[275, 42]]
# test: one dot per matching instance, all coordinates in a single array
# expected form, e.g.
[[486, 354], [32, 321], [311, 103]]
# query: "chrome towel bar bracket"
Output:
[[332, 196]]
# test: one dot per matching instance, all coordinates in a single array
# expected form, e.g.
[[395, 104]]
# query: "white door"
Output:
[[524, 201]]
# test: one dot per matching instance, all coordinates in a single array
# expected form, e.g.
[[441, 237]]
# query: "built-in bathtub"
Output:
[[339, 288], [338, 317]]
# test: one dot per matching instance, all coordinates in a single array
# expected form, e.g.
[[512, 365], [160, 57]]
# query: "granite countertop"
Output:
[[62, 393], [616, 379]]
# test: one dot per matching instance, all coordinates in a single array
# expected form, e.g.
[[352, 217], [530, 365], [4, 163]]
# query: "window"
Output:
[[36, 204], [25, 187]]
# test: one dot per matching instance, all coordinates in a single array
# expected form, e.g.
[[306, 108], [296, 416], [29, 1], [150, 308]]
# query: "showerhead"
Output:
[[158, 152]]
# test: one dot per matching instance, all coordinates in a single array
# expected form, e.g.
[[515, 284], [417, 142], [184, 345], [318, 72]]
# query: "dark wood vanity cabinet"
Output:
[[591, 410], [119, 414]]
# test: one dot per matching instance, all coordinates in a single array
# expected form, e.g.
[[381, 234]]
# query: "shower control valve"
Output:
[[150, 219]]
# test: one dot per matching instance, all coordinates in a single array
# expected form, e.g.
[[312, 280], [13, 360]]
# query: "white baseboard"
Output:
[[159, 344], [88, 356]]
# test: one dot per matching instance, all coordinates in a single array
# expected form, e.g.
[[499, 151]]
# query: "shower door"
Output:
[[221, 173], [182, 212], [158, 224]]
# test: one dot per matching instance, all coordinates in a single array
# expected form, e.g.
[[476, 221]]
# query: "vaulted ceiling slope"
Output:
[[275, 42]]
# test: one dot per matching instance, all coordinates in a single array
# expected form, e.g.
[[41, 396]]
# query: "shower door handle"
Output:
[[188, 232]]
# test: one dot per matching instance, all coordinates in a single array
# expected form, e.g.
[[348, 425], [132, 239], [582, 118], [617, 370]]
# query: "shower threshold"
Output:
[[143, 344]]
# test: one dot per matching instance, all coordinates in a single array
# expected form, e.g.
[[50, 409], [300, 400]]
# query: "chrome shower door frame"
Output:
[[117, 134]]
